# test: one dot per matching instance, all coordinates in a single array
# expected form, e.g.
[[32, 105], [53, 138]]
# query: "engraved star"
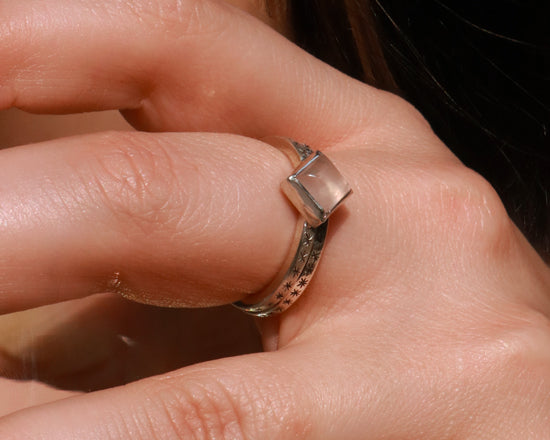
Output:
[[286, 301], [303, 150], [302, 282], [288, 285], [294, 293], [280, 295], [295, 271], [303, 256], [315, 255], [308, 269]]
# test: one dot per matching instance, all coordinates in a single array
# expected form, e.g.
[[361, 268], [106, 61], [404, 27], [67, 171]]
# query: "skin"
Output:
[[427, 318]]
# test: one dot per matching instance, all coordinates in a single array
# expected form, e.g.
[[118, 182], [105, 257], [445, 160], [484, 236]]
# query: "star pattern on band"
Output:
[[309, 245], [308, 270], [302, 149]]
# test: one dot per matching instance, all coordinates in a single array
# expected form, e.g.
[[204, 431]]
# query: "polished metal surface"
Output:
[[316, 188]]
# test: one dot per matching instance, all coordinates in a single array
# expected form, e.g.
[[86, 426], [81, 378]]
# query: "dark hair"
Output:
[[479, 71]]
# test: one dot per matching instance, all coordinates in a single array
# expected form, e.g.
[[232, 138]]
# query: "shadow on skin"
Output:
[[105, 341]]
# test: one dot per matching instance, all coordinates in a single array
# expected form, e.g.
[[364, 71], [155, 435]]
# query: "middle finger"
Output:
[[175, 66]]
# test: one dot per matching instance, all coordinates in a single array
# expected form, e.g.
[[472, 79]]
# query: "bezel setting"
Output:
[[316, 188]]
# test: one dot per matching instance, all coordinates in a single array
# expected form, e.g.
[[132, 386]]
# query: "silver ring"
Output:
[[315, 188]]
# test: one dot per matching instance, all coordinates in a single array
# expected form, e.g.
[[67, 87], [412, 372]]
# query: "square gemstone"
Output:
[[316, 189]]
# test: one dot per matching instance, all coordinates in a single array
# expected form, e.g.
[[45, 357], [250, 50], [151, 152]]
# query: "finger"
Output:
[[150, 216], [186, 65], [339, 384], [17, 395], [271, 396], [198, 219]]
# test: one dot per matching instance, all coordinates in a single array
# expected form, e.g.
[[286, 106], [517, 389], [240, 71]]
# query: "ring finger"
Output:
[[77, 215]]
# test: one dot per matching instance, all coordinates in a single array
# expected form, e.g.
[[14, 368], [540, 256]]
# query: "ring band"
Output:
[[316, 188]]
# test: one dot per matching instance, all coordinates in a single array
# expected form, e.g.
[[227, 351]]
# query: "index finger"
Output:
[[174, 66]]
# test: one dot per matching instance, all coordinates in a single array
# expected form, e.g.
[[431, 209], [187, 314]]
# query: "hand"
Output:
[[427, 318]]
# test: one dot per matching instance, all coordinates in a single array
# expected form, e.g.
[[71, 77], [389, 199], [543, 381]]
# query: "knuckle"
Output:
[[403, 108], [204, 411], [519, 344], [226, 407], [528, 337], [402, 119], [465, 205], [134, 177]]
